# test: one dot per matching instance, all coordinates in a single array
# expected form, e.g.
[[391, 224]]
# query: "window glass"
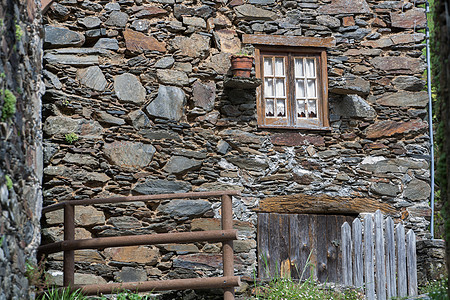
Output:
[[299, 67], [311, 88], [270, 110], [268, 67], [310, 67], [281, 108], [268, 87], [279, 66]]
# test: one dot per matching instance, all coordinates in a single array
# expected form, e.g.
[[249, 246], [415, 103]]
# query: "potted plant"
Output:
[[241, 64]]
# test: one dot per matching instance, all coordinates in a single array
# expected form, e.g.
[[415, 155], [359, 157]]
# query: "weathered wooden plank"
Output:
[[358, 253], [306, 248], [340, 221], [313, 243], [285, 263], [294, 246], [390, 258], [321, 242], [332, 248], [321, 204], [380, 257], [281, 40], [346, 240], [368, 257], [274, 246], [263, 245], [411, 262], [401, 261]]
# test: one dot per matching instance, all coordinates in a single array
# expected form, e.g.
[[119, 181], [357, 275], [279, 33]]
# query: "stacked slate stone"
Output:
[[21, 166], [141, 85]]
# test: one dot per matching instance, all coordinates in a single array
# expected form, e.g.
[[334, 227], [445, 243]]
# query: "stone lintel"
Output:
[[293, 41]]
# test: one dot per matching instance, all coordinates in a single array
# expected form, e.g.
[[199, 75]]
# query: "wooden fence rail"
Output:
[[387, 260], [227, 282]]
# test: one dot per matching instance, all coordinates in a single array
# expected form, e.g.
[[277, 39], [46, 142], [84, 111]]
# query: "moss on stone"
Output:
[[9, 183], [9, 104]]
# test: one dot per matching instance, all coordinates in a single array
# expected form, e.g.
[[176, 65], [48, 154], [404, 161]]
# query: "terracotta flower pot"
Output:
[[241, 66]]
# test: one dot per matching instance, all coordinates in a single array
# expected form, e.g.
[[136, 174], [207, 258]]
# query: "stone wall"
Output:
[[20, 144], [136, 104]]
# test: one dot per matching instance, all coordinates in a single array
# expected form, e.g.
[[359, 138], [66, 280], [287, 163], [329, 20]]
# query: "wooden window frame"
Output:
[[290, 47]]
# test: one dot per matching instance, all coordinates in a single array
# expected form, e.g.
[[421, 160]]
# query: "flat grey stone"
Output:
[[107, 43], [351, 85], [160, 186], [194, 21], [248, 163], [128, 274], [172, 77], [408, 83], [185, 208], [73, 60], [140, 25], [358, 34], [53, 79], [169, 103], [124, 222], [261, 2], [417, 190], [405, 99], [92, 77], [204, 95], [90, 22], [165, 62], [180, 164], [159, 135], [63, 125], [112, 6], [195, 46], [55, 37], [354, 106], [139, 120], [250, 13], [385, 189], [118, 19], [130, 154], [223, 147], [128, 88], [81, 51], [328, 21], [104, 117]]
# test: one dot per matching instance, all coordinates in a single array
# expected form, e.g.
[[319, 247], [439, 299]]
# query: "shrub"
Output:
[[9, 104], [71, 137]]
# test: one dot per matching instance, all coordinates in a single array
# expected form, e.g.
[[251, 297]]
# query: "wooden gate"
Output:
[[286, 241]]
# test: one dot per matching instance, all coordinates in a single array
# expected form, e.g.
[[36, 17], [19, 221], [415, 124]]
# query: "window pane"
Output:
[[281, 108], [268, 87], [279, 66], [270, 108], [280, 88], [310, 68], [299, 67], [311, 88], [300, 88], [301, 112], [268, 67], [312, 109]]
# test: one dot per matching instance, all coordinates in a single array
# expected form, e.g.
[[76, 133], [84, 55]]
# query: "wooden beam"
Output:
[[293, 41], [322, 204]]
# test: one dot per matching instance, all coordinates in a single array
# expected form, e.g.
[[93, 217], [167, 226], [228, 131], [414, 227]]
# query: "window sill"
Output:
[[241, 83], [311, 128]]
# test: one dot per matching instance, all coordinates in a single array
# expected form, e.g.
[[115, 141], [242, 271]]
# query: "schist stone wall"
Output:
[[141, 84], [21, 164]]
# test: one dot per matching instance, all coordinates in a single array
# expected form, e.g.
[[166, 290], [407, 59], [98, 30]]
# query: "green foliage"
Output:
[[1, 240], [127, 295], [2, 75], [55, 293], [436, 290], [19, 32], [71, 137], [9, 183], [9, 104]]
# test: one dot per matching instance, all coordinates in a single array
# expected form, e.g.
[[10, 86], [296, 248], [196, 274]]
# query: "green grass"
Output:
[[436, 290], [61, 294]]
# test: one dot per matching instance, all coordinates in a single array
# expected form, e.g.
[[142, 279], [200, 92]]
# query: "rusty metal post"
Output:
[[227, 246], [69, 235]]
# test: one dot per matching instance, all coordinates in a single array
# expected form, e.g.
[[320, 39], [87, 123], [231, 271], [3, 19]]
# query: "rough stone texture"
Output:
[[138, 42], [129, 154], [93, 78], [406, 99], [159, 186], [172, 77], [180, 164], [195, 46], [345, 6], [417, 190], [399, 65], [61, 37], [65, 125], [204, 95], [128, 88], [117, 19], [352, 85], [413, 18], [249, 12], [21, 148], [390, 128], [408, 83], [168, 104], [106, 43], [137, 254], [385, 189], [185, 208], [354, 106], [88, 216]]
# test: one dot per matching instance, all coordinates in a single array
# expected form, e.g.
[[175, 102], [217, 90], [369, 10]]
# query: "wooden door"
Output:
[[287, 242]]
